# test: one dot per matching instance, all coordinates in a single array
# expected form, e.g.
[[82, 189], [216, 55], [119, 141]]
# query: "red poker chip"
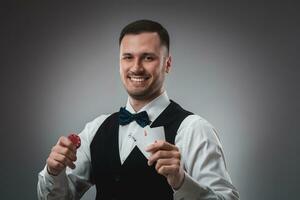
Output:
[[75, 139]]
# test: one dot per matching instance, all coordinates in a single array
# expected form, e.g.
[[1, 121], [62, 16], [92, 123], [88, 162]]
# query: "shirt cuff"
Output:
[[58, 180], [190, 189]]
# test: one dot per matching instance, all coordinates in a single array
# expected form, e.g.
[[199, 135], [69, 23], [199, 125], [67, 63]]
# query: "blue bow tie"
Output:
[[125, 117]]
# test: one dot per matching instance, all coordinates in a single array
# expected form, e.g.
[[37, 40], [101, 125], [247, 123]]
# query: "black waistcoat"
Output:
[[133, 180]]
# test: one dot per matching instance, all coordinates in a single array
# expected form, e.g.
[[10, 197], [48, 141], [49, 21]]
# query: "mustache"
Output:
[[131, 73]]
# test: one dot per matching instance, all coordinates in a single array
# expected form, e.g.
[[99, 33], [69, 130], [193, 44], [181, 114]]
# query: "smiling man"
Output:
[[144, 61], [188, 164]]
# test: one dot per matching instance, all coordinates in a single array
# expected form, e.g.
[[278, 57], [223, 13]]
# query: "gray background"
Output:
[[235, 64]]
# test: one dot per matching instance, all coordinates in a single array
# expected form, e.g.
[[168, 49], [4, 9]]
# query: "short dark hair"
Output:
[[144, 25]]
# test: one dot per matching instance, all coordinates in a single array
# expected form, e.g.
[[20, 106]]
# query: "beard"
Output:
[[146, 93], [141, 94], [143, 91]]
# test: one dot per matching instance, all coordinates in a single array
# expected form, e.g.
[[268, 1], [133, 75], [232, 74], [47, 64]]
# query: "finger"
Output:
[[62, 159], [166, 162], [162, 155], [160, 145], [167, 170], [54, 167], [64, 141], [65, 151]]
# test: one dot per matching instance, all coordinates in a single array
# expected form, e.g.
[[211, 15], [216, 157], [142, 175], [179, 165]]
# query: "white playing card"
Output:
[[149, 136]]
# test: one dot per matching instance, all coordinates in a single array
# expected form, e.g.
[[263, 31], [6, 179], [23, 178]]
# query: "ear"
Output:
[[168, 63]]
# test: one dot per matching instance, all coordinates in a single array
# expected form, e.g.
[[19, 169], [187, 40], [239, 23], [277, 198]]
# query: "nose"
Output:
[[137, 65]]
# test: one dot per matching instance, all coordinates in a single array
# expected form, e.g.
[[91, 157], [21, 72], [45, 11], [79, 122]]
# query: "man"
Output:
[[189, 164]]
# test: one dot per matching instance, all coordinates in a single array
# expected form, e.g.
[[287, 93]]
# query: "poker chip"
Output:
[[75, 139]]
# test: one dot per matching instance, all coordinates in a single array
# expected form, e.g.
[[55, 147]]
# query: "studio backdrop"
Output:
[[234, 64]]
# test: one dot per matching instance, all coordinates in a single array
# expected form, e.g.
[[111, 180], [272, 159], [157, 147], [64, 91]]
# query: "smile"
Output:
[[138, 78]]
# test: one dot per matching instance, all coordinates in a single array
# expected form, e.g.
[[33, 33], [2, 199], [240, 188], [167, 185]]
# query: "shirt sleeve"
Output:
[[206, 176], [71, 184]]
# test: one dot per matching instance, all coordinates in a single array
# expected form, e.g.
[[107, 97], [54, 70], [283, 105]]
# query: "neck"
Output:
[[138, 104]]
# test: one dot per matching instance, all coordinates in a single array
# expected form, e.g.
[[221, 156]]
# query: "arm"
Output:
[[70, 183], [206, 176]]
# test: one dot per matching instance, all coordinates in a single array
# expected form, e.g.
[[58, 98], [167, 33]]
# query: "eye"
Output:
[[127, 57], [148, 58]]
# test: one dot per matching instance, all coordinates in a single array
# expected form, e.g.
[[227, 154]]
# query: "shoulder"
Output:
[[194, 120], [91, 127], [96, 123], [195, 126]]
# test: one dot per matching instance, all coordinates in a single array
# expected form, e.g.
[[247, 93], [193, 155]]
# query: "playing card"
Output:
[[149, 136]]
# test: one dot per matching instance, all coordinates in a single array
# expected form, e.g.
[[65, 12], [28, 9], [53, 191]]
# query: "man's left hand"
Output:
[[167, 158]]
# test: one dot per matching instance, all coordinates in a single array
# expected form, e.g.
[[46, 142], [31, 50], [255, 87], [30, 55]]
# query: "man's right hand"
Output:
[[63, 154]]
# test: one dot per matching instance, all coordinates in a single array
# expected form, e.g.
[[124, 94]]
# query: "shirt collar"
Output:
[[154, 108]]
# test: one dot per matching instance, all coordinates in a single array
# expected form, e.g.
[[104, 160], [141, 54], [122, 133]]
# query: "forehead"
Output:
[[140, 42]]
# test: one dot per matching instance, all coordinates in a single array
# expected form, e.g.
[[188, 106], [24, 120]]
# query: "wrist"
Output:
[[50, 172], [180, 181]]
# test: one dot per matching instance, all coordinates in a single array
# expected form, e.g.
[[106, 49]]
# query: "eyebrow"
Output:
[[143, 54], [126, 54], [148, 54]]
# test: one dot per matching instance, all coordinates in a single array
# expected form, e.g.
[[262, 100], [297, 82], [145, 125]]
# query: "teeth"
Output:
[[138, 79]]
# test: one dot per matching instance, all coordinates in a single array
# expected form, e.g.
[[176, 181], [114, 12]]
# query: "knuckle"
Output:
[[158, 154], [160, 170], [53, 148], [65, 151], [161, 143], [64, 159], [51, 155], [158, 162], [57, 157], [154, 158], [177, 154], [61, 139], [157, 166]]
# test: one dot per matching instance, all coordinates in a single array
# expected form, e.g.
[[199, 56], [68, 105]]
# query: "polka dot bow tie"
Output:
[[125, 117]]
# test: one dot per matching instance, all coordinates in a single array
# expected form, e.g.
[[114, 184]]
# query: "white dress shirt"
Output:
[[206, 176]]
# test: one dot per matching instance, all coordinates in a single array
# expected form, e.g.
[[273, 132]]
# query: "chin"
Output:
[[138, 95]]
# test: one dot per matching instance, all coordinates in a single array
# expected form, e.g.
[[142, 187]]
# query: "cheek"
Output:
[[122, 74], [124, 66], [160, 70], [154, 68], [122, 69]]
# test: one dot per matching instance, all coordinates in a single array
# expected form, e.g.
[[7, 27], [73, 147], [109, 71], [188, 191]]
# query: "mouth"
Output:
[[138, 79]]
